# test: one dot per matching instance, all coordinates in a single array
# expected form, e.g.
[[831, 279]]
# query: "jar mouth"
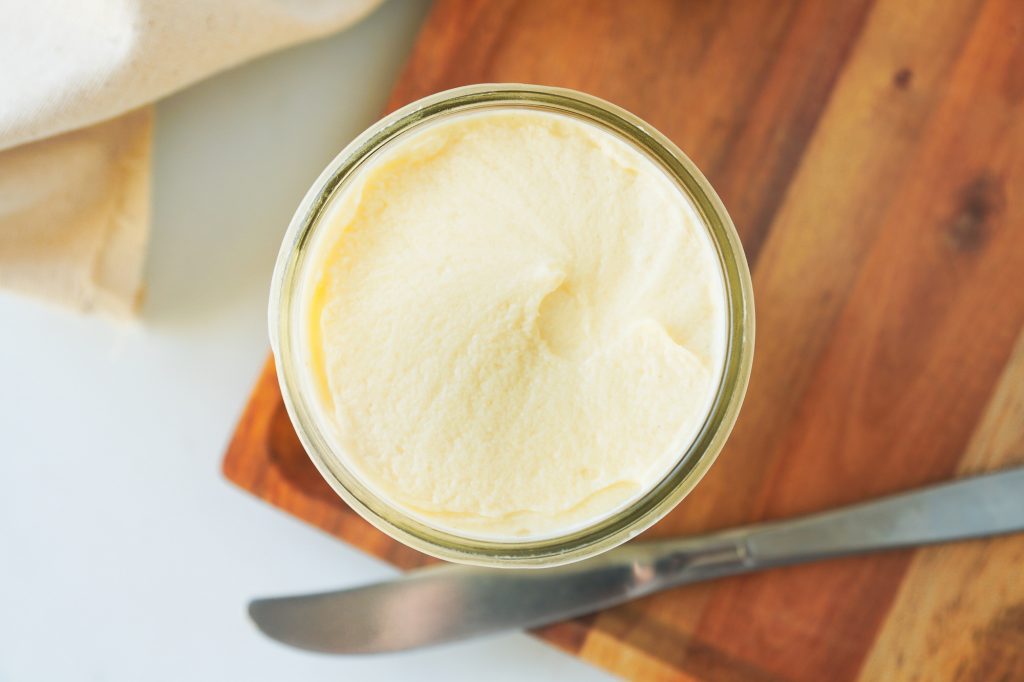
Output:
[[286, 325]]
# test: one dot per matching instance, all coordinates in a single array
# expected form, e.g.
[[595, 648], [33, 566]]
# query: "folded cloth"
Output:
[[76, 124]]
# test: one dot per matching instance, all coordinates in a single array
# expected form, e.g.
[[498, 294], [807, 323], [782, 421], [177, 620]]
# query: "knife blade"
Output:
[[449, 602]]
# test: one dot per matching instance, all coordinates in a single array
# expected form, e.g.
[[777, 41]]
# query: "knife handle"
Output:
[[975, 507], [448, 603]]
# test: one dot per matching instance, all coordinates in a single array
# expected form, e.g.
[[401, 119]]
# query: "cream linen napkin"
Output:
[[76, 80]]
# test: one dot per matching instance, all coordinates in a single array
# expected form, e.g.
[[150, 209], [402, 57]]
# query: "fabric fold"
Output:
[[76, 125]]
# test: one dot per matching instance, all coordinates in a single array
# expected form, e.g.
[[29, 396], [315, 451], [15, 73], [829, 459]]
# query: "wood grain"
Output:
[[872, 157], [957, 615]]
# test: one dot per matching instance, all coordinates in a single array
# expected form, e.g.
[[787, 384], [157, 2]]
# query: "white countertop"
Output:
[[124, 554]]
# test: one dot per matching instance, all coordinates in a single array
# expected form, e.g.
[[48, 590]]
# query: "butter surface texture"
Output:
[[516, 324]]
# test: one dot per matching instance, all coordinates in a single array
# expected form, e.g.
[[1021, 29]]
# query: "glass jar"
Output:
[[289, 352]]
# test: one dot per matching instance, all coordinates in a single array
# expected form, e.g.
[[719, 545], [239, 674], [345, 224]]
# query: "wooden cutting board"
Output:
[[872, 156]]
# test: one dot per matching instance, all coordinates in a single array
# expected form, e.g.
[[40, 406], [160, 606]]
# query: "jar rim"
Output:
[[604, 533]]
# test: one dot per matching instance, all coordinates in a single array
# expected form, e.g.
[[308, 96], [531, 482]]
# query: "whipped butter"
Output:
[[515, 324]]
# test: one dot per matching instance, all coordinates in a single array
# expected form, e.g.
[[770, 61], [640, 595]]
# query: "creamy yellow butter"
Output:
[[516, 324]]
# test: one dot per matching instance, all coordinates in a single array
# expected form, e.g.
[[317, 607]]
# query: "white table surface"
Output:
[[124, 554]]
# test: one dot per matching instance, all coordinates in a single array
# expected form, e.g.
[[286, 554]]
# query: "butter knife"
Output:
[[448, 603]]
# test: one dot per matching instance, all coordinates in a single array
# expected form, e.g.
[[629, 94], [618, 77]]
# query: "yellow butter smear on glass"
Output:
[[516, 324]]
